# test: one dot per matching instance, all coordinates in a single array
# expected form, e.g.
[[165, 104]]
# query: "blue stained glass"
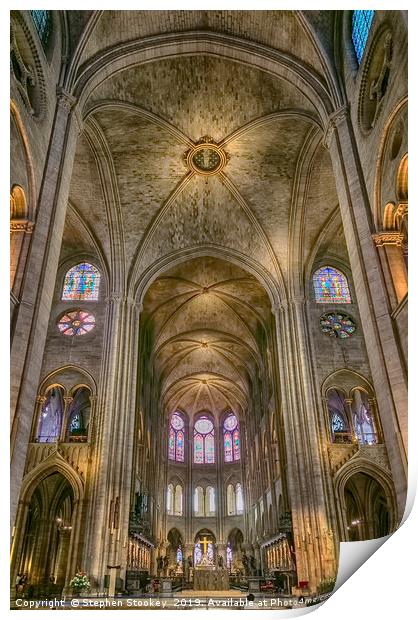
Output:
[[210, 552], [81, 282], [197, 554], [179, 555], [42, 21], [360, 26]]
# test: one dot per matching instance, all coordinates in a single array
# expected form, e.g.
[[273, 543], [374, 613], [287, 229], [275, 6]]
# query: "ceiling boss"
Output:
[[206, 158]]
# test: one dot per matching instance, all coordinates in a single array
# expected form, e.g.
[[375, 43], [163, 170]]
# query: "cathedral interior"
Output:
[[208, 296]]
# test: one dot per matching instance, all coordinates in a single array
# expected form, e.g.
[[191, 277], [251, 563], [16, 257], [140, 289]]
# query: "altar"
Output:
[[207, 574], [211, 578]]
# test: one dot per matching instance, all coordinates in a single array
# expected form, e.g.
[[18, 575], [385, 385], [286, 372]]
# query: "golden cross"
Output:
[[205, 542]]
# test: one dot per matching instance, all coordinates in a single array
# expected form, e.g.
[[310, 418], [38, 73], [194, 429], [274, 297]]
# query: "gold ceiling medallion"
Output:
[[206, 157]]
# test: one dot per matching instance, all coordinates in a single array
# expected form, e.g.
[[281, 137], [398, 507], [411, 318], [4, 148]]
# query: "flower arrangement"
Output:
[[80, 581]]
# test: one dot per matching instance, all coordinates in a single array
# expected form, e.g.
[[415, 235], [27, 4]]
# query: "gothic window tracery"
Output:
[[176, 438], [76, 323], [232, 446], [204, 441]]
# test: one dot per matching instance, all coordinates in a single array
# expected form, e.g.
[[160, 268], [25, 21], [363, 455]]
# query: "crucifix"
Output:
[[205, 542]]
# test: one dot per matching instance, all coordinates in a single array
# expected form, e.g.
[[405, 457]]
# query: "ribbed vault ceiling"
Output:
[[206, 318]]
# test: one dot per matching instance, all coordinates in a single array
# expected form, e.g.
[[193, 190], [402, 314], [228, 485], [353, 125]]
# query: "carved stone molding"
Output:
[[334, 119], [69, 104], [375, 78], [388, 238], [26, 66], [21, 226]]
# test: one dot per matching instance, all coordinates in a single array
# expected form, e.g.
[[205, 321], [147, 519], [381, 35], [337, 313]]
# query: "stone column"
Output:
[[65, 420], [308, 480], [386, 364], [62, 557], [390, 249], [111, 473], [32, 314]]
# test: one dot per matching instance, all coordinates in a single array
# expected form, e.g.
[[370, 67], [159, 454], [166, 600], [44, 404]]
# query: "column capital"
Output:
[[334, 119], [67, 400], [392, 237], [68, 103], [40, 399]]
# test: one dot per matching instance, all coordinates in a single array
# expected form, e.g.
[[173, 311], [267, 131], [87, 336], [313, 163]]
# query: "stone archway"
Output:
[[47, 524]]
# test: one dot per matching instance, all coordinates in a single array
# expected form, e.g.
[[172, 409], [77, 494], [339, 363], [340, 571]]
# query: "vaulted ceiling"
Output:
[[206, 329], [133, 201]]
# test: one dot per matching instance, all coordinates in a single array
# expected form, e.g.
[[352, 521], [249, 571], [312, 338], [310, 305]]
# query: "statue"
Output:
[[253, 566], [220, 562], [166, 566], [160, 565]]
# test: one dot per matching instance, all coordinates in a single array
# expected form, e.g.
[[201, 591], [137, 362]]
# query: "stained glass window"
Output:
[[42, 21], [228, 447], [331, 286], [176, 438], [229, 556], [236, 445], [337, 325], [360, 27], [179, 555], [210, 552], [204, 441], [337, 424], [81, 283], [197, 554], [76, 323], [231, 439]]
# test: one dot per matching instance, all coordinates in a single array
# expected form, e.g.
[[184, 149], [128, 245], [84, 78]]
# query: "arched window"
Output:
[[50, 419], [232, 448], [204, 441], [340, 430], [239, 499], [197, 554], [81, 283], [230, 500], [170, 499], [176, 438], [179, 555], [363, 422], [79, 416], [42, 21], [178, 500], [330, 286], [210, 508], [198, 502], [360, 26]]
